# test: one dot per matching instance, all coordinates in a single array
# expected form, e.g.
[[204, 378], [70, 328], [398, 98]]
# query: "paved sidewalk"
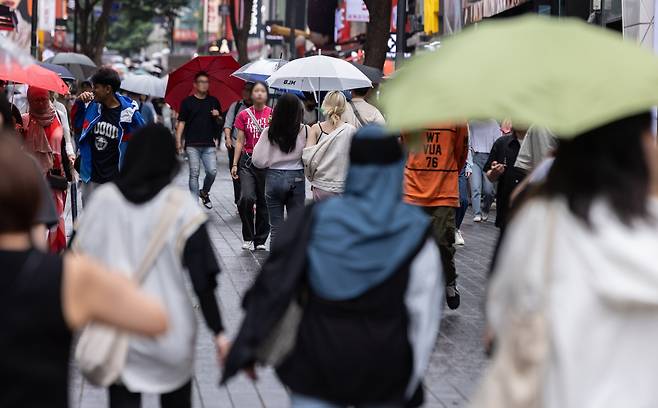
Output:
[[456, 363]]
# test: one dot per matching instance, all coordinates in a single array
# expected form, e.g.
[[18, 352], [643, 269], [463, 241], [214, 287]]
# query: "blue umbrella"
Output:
[[259, 70], [63, 72]]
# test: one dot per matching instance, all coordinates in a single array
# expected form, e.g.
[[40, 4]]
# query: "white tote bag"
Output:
[[102, 350]]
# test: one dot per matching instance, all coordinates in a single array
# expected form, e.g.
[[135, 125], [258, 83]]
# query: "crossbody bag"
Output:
[[102, 350]]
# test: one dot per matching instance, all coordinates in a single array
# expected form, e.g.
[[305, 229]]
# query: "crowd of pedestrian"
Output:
[[348, 303]]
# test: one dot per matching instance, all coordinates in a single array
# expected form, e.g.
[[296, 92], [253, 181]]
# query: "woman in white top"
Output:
[[118, 227], [582, 253], [326, 157], [279, 150]]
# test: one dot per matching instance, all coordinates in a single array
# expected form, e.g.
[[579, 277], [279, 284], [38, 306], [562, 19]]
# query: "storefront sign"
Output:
[[47, 15], [254, 22], [212, 16], [475, 12], [273, 39], [356, 10]]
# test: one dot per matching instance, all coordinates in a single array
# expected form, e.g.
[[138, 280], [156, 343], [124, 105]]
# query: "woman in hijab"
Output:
[[43, 139], [370, 274], [117, 228]]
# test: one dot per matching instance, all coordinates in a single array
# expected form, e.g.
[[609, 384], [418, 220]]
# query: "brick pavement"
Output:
[[455, 365]]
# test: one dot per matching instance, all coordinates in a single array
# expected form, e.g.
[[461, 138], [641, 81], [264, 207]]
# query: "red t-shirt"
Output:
[[244, 123]]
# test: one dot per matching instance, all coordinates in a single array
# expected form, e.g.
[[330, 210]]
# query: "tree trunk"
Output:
[[241, 34], [172, 31], [100, 32], [83, 25], [93, 41], [379, 29]]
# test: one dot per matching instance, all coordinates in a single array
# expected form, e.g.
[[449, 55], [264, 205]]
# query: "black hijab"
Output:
[[150, 164]]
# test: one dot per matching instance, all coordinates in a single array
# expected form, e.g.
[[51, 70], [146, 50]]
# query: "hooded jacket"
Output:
[[129, 121], [601, 284]]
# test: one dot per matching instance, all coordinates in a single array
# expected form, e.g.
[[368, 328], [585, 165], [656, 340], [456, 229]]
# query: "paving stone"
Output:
[[455, 366]]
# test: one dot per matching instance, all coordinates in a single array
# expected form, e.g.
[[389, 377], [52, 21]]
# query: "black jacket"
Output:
[[267, 300], [352, 351]]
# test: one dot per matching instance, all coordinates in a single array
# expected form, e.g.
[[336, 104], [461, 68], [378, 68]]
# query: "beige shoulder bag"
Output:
[[102, 350]]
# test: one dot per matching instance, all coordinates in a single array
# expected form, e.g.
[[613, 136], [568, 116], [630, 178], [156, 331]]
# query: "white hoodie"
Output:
[[602, 304]]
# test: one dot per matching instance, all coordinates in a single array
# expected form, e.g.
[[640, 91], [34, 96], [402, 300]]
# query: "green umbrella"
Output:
[[562, 74]]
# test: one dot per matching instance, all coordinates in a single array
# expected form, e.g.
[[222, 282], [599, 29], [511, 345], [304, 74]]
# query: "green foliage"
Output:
[[135, 21], [129, 36]]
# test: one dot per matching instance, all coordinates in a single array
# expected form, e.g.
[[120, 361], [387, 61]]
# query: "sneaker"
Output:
[[248, 245], [452, 295], [459, 239], [205, 199], [261, 247], [485, 217], [477, 218]]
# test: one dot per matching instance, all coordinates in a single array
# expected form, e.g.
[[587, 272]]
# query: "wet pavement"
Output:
[[456, 363]]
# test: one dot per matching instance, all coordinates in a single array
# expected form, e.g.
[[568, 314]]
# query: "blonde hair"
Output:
[[334, 106]]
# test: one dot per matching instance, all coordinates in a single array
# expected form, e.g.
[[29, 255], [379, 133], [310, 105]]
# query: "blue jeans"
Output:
[[195, 156], [463, 198], [283, 189], [302, 401], [480, 185]]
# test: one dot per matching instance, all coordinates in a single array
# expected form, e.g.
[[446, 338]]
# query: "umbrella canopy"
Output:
[[562, 74], [219, 68], [34, 75], [318, 73], [374, 75], [80, 65], [259, 70], [144, 84], [63, 72]]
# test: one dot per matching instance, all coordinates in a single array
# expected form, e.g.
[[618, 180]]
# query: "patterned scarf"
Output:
[[36, 139]]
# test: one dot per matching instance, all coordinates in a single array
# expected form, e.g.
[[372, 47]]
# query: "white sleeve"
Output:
[[424, 302], [518, 274], [64, 120]]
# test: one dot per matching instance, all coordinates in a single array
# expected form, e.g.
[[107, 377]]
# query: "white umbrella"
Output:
[[318, 73], [144, 85], [259, 70]]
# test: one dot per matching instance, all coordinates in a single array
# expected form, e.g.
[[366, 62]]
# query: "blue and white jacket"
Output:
[[129, 121]]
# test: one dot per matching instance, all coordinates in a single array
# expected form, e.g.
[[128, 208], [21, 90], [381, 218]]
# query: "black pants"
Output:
[[236, 183], [443, 228], [120, 397], [252, 185]]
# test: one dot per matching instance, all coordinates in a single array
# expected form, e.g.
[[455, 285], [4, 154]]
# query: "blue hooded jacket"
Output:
[[129, 121]]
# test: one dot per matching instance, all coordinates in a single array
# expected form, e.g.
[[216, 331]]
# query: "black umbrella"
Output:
[[374, 75], [60, 70]]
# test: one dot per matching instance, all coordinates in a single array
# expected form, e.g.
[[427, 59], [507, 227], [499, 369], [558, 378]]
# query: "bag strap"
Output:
[[548, 260], [236, 109], [156, 245], [357, 114], [253, 118]]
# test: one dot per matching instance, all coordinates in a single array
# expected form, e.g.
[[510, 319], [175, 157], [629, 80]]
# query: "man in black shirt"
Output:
[[199, 123], [109, 121], [500, 167]]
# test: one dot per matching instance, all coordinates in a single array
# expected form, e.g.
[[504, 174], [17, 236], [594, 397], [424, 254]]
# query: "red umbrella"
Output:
[[223, 86], [33, 75]]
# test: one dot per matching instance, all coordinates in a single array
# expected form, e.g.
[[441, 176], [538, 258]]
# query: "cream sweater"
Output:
[[326, 163]]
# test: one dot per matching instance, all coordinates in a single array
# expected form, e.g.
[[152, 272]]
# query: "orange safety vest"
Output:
[[431, 175]]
